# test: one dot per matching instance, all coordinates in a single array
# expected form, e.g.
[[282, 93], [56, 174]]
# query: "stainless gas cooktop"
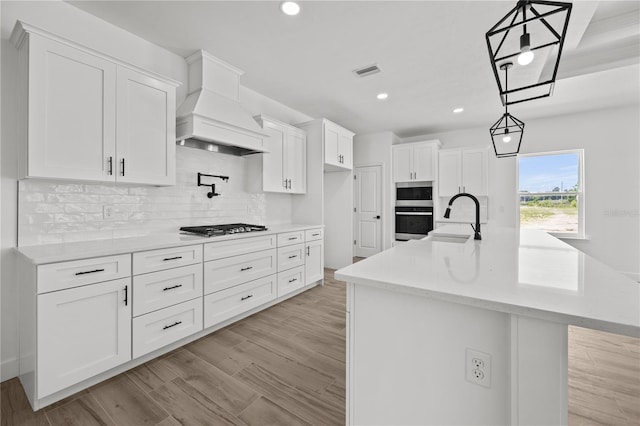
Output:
[[217, 230]]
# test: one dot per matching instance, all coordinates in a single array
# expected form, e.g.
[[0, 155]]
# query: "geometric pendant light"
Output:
[[506, 133], [532, 35]]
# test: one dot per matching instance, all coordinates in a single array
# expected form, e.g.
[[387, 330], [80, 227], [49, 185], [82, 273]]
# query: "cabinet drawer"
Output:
[[236, 300], [230, 248], [58, 276], [157, 329], [290, 238], [228, 272], [158, 290], [313, 234], [290, 257], [158, 260], [290, 280]]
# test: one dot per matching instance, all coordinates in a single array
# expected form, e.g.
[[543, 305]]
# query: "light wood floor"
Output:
[[286, 366]]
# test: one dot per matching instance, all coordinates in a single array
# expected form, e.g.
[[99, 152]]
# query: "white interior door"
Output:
[[368, 214]]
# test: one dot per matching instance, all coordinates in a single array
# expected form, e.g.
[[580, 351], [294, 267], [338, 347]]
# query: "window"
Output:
[[551, 192]]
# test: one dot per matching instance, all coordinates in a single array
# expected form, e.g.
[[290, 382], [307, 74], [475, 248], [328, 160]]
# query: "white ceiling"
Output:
[[433, 56]]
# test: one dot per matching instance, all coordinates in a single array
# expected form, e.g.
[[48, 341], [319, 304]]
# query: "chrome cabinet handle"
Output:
[[172, 325], [172, 287], [90, 272]]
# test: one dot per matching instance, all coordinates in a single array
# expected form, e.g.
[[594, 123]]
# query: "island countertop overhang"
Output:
[[526, 272]]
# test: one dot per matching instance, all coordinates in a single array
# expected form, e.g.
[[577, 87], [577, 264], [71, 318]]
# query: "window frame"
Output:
[[580, 193]]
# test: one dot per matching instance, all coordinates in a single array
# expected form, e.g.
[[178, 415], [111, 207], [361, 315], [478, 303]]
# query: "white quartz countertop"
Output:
[[52, 253], [525, 272]]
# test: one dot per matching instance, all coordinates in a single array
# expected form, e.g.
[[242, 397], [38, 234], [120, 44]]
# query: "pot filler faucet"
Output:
[[476, 228]]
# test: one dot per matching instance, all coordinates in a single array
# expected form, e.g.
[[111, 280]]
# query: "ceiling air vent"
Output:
[[368, 70]]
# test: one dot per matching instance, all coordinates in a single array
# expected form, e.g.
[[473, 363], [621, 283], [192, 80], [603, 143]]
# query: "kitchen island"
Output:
[[422, 316]]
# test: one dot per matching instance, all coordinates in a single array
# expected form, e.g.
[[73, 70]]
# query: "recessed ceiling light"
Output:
[[458, 110], [290, 8], [382, 96]]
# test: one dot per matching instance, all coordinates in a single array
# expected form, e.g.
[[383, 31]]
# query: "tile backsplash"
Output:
[[64, 211]]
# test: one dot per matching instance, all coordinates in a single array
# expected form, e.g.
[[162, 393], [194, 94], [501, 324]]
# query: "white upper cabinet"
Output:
[[146, 129], [90, 117], [338, 147], [71, 113], [463, 170], [284, 166], [415, 161]]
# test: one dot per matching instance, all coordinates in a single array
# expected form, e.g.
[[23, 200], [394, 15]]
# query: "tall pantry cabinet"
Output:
[[329, 198]]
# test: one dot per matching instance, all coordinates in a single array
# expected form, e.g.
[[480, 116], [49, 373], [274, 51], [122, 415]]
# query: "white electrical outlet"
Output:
[[478, 368], [107, 212]]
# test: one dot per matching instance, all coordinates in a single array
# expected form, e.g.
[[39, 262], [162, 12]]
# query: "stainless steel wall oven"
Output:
[[414, 211]]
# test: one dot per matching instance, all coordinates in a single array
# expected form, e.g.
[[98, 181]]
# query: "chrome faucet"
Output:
[[476, 229]]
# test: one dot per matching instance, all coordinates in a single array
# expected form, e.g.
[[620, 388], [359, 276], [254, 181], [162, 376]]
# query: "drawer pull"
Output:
[[293, 280], [90, 272], [172, 287], [293, 257], [246, 297], [171, 258], [293, 238], [126, 295], [314, 235], [172, 325], [246, 269]]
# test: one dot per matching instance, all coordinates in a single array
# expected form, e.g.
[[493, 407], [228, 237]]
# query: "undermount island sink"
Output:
[[449, 238]]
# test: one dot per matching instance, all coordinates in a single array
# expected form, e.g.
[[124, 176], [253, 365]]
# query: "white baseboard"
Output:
[[8, 369]]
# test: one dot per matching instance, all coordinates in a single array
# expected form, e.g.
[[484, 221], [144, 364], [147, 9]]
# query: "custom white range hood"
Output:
[[211, 116]]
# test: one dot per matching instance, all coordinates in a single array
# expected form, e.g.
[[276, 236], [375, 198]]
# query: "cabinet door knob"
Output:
[[377, 217]]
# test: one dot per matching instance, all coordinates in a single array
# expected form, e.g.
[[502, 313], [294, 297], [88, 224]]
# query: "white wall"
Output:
[[372, 149], [67, 21], [610, 139]]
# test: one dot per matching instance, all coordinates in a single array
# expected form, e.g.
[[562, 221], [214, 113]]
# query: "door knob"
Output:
[[376, 217]]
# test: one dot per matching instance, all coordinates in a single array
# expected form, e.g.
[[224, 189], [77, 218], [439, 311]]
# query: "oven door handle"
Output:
[[413, 214]]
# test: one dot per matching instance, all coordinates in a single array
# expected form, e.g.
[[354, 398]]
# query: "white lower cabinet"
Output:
[[224, 273], [290, 280], [81, 318], [314, 261], [157, 329], [225, 304], [160, 289], [82, 332], [290, 257]]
